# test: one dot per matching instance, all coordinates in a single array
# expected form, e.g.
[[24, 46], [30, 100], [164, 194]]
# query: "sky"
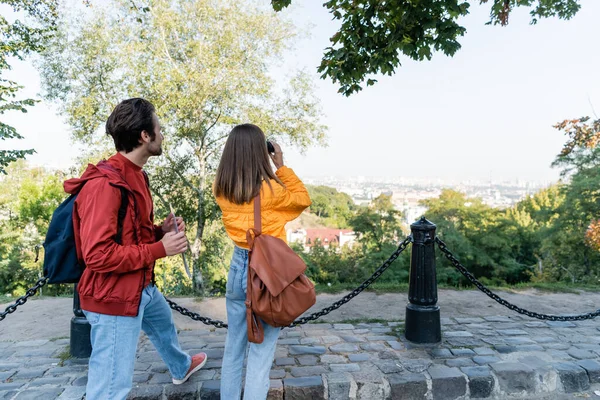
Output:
[[486, 113]]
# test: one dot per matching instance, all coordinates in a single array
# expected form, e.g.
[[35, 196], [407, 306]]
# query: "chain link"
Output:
[[23, 299], [303, 320], [480, 286]]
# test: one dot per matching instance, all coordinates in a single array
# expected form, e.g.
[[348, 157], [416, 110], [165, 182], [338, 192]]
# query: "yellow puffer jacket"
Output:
[[278, 207]]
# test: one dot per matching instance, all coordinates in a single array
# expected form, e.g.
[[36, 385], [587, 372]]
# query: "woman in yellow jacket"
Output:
[[244, 172]]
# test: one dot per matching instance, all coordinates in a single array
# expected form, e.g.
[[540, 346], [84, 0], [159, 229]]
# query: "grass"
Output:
[[54, 339], [64, 356]]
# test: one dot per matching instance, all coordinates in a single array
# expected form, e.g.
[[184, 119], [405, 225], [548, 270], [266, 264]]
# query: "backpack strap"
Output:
[[257, 220], [121, 215]]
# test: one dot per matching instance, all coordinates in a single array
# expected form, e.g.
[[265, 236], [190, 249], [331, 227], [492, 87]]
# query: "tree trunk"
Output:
[[198, 285]]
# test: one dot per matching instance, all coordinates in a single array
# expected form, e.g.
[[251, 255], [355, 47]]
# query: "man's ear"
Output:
[[145, 137]]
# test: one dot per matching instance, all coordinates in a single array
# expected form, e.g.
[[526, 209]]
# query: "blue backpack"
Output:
[[60, 255]]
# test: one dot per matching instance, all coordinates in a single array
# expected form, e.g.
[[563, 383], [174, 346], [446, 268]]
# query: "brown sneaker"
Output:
[[198, 361]]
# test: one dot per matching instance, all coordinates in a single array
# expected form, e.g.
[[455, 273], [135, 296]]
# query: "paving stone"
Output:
[[447, 321], [310, 340], [159, 368], [453, 334], [407, 386], [460, 362], [559, 354], [341, 385], [214, 353], [285, 361], [295, 350], [31, 343], [6, 374], [275, 390], [497, 319], [441, 353], [299, 372], [210, 390], [580, 354], [333, 359], [447, 383], [30, 373], [373, 347], [388, 366], [592, 368], [511, 332], [186, 391], [529, 348], [288, 341], [343, 348], [380, 338], [353, 339], [359, 357], [158, 379], [572, 376], [141, 378], [4, 387], [308, 360], [557, 346], [72, 393], [519, 340], [370, 383], [81, 381], [481, 381], [514, 377], [331, 339], [277, 374], [561, 324], [416, 365], [343, 327], [344, 367], [505, 349], [55, 381], [396, 345], [475, 320], [7, 395], [39, 393], [462, 352], [536, 324], [482, 360], [484, 351], [381, 330], [361, 331], [545, 339], [310, 387]]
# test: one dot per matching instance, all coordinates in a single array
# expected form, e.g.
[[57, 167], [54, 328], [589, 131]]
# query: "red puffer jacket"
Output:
[[115, 274]]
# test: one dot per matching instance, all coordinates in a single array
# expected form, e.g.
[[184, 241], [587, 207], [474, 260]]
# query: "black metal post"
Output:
[[422, 313], [81, 345]]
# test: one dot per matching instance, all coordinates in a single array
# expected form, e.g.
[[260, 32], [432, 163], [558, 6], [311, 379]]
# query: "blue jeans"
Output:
[[260, 356], [114, 344]]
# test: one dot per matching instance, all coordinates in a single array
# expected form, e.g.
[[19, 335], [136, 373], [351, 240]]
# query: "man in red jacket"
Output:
[[117, 290]]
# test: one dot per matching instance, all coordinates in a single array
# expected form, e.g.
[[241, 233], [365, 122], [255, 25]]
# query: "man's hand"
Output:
[[168, 226], [175, 243]]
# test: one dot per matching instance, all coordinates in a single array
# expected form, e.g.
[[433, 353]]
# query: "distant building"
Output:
[[326, 236]]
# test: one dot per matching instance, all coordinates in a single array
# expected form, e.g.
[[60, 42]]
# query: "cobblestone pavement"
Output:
[[500, 357]]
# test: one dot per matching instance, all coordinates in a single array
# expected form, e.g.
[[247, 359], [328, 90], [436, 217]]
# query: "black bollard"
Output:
[[422, 314], [81, 345]]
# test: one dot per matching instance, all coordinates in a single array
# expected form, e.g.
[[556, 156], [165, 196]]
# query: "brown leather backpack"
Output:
[[278, 292]]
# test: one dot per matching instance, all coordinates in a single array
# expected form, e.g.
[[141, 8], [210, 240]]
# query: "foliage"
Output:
[[378, 224], [334, 207], [373, 34], [205, 65], [17, 40]]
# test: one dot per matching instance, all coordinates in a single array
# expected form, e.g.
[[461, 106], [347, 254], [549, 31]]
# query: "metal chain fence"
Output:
[[461, 268], [23, 299], [303, 320]]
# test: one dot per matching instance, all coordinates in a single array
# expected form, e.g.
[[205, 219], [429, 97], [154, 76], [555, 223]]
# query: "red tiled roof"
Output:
[[325, 235]]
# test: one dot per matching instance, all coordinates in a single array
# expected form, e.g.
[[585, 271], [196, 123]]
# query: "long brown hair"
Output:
[[244, 165]]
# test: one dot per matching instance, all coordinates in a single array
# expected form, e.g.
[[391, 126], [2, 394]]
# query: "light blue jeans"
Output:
[[114, 344], [260, 356]]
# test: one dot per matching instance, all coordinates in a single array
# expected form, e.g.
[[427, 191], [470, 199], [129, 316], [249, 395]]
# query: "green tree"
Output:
[[373, 34], [334, 207], [18, 39], [378, 224], [205, 65]]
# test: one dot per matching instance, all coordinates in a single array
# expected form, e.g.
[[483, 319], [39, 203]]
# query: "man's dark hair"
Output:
[[128, 120]]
